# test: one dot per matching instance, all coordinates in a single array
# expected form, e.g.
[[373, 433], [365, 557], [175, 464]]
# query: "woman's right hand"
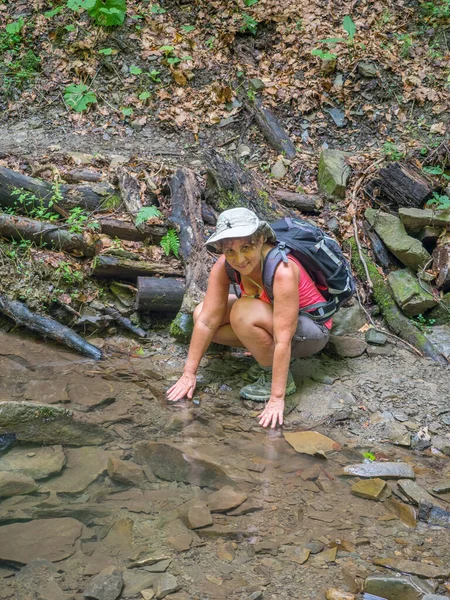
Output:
[[183, 388]]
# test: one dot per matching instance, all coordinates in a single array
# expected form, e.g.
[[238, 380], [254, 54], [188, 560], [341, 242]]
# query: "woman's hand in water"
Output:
[[272, 413], [183, 388]]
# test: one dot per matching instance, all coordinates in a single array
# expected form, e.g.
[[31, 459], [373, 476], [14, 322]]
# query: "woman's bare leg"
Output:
[[253, 320], [225, 334]]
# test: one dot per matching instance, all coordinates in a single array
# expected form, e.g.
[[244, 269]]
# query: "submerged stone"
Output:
[[311, 442], [369, 488], [416, 493], [384, 470], [397, 587], [225, 499], [38, 462], [166, 584], [198, 516], [107, 585], [335, 594], [16, 484], [442, 487]]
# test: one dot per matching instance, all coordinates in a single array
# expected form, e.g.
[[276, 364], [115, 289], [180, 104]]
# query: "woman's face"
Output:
[[243, 254]]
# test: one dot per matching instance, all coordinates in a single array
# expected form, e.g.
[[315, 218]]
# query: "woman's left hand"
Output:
[[272, 413]]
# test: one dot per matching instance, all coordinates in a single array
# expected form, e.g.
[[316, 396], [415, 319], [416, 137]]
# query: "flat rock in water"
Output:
[[199, 515], [225, 499], [16, 484], [416, 493], [405, 512], [397, 588], [33, 422], [423, 570], [384, 470], [37, 462], [311, 442], [52, 539], [84, 465], [166, 584], [87, 395], [398, 434], [47, 391], [173, 463], [369, 488], [107, 585]]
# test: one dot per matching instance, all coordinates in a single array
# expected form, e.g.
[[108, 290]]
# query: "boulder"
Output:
[[346, 346], [391, 230], [33, 422], [440, 315], [410, 294], [107, 585], [415, 219], [348, 319], [333, 173]]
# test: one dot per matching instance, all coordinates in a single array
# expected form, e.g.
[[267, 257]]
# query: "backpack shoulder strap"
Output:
[[273, 258], [234, 277]]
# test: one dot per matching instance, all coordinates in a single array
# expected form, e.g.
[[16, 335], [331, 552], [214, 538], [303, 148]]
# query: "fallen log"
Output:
[[187, 218], [379, 250], [130, 190], [229, 185], [124, 230], [72, 195], [47, 327], [77, 175], [49, 235], [301, 202], [130, 270], [125, 322], [272, 129], [441, 262], [403, 185], [397, 322], [159, 294]]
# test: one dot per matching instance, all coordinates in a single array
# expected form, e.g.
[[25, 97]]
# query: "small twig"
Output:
[[361, 257]]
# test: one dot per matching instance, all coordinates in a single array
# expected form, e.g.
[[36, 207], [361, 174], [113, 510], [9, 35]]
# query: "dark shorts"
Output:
[[309, 337]]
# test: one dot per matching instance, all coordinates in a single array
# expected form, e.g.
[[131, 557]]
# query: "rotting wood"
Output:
[[441, 262], [272, 129], [47, 328], [397, 322], [302, 202], [124, 230], [72, 195], [159, 294], [130, 270], [48, 235], [403, 185], [125, 322], [130, 191], [187, 217], [77, 175], [229, 185]]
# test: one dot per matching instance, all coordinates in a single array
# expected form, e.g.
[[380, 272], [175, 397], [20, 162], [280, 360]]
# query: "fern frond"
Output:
[[170, 243]]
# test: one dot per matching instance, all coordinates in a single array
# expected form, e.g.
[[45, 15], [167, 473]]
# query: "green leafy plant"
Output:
[[135, 70], [350, 29], [323, 54], [439, 202], [437, 171], [406, 42], [15, 27], [127, 111], [106, 51], [154, 76], [106, 13], [423, 322], [78, 219], [369, 455], [143, 96], [78, 97], [391, 151], [437, 11], [146, 213], [250, 24], [33, 206], [210, 42], [170, 243], [188, 28], [66, 272], [250, 2], [156, 9]]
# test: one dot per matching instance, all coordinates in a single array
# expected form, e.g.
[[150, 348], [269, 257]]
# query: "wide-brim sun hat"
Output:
[[238, 223]]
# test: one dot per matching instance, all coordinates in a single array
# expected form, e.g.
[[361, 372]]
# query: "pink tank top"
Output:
[[307, 290]]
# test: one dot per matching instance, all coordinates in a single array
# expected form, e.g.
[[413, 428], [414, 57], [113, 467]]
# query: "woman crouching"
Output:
[[273, 332]]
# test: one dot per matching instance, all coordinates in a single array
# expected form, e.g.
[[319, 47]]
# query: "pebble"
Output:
[[335, 594]]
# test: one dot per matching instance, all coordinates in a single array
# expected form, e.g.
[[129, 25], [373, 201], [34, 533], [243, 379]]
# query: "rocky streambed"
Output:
[[107, 491]]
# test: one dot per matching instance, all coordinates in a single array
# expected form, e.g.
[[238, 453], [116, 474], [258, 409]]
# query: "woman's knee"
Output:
[[197, 310], [247, 314]]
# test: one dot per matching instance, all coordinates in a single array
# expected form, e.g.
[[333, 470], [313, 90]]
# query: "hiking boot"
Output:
[[252, 374], [260, 390]]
